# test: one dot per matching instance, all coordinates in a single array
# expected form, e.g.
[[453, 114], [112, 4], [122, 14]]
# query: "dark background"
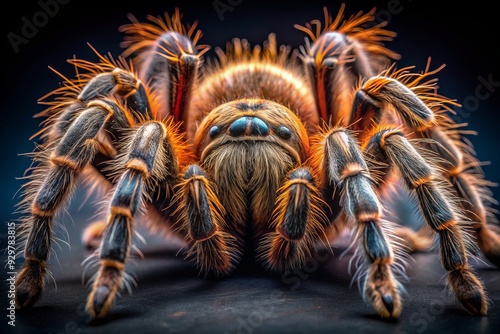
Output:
[[464, 37]]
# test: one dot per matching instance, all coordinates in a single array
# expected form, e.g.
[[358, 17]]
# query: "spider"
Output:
[[263, 149]]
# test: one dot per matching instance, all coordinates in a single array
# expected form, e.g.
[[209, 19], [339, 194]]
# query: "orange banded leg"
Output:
[[344, 168], [202, 216], [299, 221], [169, 61], [123, 82], [115, 244], [371, 103], [126, 86], [74, 151], [440, 212], [470, 186], [383, 173], [147, 163], [336, 61], [377, 93], [130, 89]]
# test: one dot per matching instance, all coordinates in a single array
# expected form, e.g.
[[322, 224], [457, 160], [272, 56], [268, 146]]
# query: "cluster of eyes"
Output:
[[253, 126]]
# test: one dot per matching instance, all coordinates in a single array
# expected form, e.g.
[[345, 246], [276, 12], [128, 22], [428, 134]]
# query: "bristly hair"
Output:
[[442, 107], [60, 98], [280, 254], [423, 85], [144, 36], [240, 50], [355, 27]]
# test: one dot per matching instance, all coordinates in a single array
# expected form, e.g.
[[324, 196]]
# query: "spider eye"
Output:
[[284, 132], [214, 131]]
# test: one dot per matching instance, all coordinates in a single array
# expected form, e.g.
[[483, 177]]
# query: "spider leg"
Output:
[[168, 60], [439, 209], [202, 215], [344, 172], [460, 167], [127, 88], [118, 83], [73, 152], [148, 161], [378, 91], [173, 73], [337, 61], [370, 107], [338, 57], [453, 155], [124, 83], [299, 222]]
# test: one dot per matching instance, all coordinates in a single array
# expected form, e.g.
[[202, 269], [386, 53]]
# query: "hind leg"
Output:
[[439, 209]]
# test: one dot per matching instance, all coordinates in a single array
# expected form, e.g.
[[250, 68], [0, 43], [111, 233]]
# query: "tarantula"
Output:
[[267, 149]]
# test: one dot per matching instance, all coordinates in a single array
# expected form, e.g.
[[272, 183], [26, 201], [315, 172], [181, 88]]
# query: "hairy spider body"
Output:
[[264, 149]]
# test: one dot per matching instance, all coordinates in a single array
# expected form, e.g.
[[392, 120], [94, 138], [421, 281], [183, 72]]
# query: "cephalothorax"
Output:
[[265, 146]]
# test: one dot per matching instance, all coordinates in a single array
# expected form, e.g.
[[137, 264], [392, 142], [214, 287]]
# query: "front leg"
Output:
[[298, 222], [150, 159], [343, 171], [201, 216]]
